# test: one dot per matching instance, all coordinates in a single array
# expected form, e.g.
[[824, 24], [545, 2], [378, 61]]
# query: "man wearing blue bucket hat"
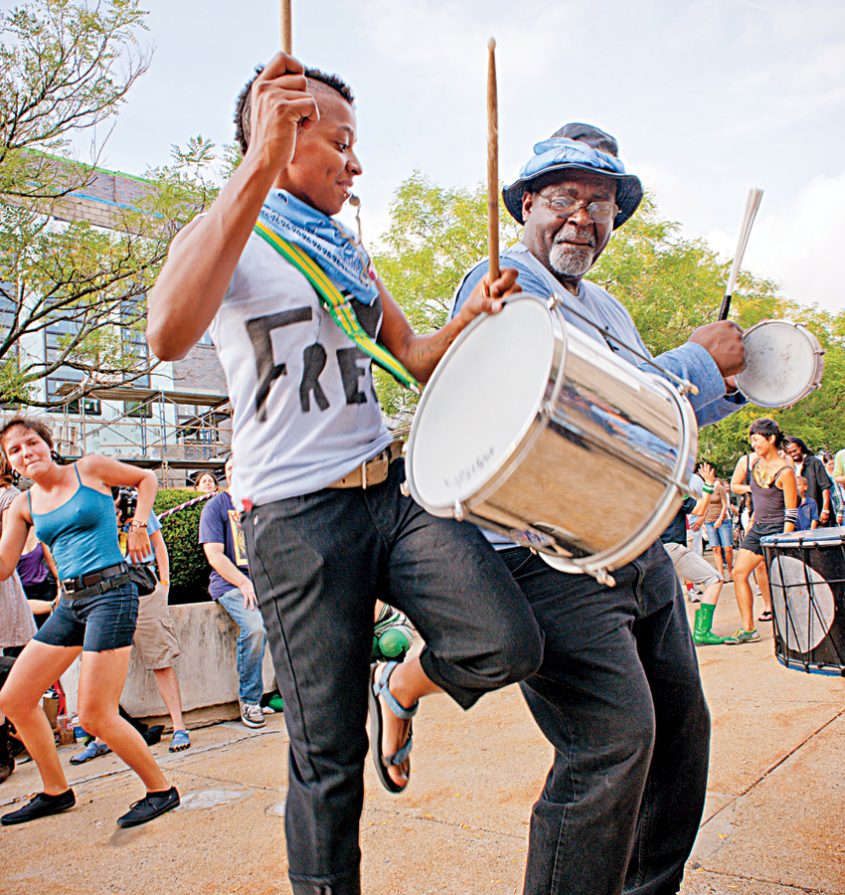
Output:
[[618, 694]]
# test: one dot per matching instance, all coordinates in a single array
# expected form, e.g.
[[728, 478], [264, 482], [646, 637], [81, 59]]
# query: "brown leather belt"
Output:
[[373, 472]]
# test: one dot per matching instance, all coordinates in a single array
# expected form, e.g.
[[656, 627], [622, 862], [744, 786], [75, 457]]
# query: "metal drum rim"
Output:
[[531, 430], [818, 351]]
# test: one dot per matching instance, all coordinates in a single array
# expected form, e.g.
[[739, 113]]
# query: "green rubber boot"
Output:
[[701, 634]]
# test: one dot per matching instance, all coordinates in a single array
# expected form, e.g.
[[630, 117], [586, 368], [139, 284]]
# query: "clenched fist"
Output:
[[723, 342]]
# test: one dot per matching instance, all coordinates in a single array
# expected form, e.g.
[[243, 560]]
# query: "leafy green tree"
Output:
[[435, 236], [65, 67]]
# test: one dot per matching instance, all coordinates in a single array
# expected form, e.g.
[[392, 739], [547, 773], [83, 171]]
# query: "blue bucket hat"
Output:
[[561, 154]]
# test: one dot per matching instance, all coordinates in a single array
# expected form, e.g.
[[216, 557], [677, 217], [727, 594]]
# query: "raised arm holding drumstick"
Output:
[[296, 313]]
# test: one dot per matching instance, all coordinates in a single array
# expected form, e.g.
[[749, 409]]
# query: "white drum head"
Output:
[[803, 603], [782, 364], [480, 402]]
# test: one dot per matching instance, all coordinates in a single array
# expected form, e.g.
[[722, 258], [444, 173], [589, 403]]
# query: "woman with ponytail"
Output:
[[71, 508]]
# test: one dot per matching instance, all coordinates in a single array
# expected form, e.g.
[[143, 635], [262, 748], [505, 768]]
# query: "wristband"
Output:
[[708, 489], [137, 525], [791, 516], [165, 583]]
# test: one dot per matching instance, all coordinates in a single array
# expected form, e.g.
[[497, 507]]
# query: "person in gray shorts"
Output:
[[692, 566]]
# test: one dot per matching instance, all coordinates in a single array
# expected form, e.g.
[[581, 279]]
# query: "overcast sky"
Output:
[[706, 99]]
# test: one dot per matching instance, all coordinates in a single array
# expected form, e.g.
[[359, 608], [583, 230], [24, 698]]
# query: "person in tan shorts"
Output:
[[155, 639]]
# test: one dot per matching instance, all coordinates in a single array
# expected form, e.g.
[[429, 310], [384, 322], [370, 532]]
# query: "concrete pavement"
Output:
[[774, 822]]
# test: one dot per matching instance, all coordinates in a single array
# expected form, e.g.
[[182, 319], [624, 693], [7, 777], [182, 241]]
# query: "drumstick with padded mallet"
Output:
[[755, 196], [492, 161]]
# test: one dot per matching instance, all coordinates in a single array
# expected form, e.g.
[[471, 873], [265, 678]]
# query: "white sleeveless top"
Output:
[[305, 409]]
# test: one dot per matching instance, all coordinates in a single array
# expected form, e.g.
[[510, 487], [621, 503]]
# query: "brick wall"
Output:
[[199, 371]]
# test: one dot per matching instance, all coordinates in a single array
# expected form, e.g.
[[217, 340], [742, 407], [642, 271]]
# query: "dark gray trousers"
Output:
[[619, 697], [318, 563]]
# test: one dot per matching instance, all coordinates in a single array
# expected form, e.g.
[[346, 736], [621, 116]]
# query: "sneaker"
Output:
[[92, 750], [743, 636], [180, 741], [41, 806], [151, 806], [252, 714]]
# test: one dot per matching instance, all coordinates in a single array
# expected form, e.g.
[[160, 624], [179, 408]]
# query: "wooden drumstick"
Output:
[[492, 162], [755, 196], [287, 35]]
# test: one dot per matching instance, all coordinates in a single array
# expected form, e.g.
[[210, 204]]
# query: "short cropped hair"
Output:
[[243, 106], [766, 427]]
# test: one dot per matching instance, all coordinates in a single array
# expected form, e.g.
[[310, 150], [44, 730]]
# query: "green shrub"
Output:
[[189, 568]]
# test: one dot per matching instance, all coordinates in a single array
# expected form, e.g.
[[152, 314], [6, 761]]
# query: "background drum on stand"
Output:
[[807, 577], [532, 429]]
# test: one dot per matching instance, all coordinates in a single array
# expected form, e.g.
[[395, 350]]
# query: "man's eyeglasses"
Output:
[[565, 206]]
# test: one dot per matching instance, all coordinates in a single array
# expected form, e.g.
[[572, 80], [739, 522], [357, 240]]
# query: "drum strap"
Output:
[[337, 305]]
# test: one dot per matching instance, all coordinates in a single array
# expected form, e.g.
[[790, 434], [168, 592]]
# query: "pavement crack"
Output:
[[455, 825], [784, 887], [770, 770]]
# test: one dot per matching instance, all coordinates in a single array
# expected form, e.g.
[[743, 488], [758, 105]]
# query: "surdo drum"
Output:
[[784, 362], [532, 429], [807, 577]]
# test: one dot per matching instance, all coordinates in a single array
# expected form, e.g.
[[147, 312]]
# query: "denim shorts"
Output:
[[96, 623], [760, 530], [721, 536]]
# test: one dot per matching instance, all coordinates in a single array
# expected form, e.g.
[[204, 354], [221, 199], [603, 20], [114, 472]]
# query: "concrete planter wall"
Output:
[[207, 668]]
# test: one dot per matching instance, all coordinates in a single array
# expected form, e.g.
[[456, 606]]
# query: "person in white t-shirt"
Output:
[[327, 528]]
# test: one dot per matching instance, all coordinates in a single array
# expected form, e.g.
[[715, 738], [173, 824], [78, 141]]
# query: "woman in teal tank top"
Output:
[[72, 511]]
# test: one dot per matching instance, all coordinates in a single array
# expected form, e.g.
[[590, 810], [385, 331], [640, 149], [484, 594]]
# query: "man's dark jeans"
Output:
[[619, 697], [318, 563]]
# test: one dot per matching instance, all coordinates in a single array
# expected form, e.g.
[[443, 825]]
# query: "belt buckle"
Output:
[[378, 465]]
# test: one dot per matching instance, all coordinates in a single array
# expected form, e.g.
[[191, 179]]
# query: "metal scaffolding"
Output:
[[166, 430]]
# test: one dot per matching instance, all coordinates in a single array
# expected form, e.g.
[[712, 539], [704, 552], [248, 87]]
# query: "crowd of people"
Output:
[[778, 487], [315, 526]]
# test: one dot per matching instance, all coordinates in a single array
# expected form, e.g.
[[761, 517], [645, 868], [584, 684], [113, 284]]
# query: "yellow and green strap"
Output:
[[337, 305]]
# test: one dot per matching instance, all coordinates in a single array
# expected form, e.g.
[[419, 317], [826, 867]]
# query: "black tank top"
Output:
[[769, 503]]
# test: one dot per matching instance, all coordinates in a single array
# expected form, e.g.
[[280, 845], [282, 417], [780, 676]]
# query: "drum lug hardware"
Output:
[[458, 511], [405, 490]]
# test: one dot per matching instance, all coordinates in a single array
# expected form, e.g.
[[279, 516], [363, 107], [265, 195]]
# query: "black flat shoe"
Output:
[[151, 806], [152, 735], [41, 806]]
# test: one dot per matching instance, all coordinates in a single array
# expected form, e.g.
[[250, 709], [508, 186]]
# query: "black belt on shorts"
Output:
[[95, 582]]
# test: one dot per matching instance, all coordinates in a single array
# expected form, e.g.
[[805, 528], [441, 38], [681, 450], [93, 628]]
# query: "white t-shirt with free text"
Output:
[[305, 409]]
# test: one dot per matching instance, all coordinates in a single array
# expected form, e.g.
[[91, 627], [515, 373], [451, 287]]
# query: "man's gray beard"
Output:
[[569, 262]]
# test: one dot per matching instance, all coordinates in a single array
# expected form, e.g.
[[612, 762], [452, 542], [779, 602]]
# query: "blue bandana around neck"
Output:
[[332, 246]]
